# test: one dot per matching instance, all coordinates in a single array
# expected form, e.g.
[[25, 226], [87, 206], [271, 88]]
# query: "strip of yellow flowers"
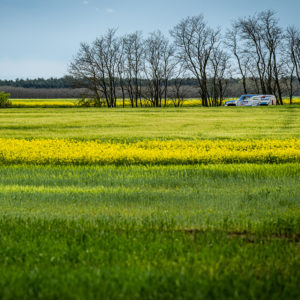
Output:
[[74, 102], [62, 151]]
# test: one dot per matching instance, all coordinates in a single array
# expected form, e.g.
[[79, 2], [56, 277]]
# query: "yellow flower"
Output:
[[62, 151]]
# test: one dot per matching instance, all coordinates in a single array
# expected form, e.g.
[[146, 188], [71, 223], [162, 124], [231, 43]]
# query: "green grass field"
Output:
[[148, 123], [223, 231]]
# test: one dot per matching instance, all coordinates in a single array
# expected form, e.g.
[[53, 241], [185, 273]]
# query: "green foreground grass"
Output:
[[222, 231], [160, 232], [165, 123]]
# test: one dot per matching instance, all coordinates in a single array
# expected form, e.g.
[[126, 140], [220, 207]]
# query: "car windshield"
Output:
[[262, 98], [246, 98]]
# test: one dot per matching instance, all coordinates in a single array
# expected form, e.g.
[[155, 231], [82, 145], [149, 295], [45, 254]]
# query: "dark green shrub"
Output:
[[4, 100], [90, 102]]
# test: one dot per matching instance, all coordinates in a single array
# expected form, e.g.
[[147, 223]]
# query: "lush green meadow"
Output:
[[214, 231], [148, 123]]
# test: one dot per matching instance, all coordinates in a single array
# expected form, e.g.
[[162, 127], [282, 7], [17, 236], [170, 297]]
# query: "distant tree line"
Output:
[[42, 93], [40, 83], [234, 89], [256, 49], [64, 83]]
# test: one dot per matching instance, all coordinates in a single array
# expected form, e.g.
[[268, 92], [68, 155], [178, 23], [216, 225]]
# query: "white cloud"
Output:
[[110, 10], [85, 2]]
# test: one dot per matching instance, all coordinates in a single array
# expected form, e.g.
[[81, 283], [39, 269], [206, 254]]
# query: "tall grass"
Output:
[[152, 124], [74, 260], [206, 232], [250, 198]]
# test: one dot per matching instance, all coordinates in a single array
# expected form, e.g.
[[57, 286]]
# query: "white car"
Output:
[[260, 100], [253, 100]]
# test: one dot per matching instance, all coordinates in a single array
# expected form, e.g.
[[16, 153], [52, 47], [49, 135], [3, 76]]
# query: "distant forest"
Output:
[[64, 83], [40, 83], [66, 87], [69, 87]]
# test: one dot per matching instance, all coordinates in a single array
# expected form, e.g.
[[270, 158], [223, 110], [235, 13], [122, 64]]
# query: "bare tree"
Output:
[[250, 30], [158, 67], [98, 67], [263, 36], [293, 43], [170, 68], [195, 42], [121, 70], [288, 79], [133, 60], [272, 36], [84, 69], [220, 65], [177, 92], [254, 78], [107, 59], [232, 41]]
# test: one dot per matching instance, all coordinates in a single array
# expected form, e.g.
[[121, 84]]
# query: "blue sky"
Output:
[[40, 37]]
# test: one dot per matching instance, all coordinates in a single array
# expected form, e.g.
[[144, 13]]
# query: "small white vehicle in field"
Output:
[[253, 100]]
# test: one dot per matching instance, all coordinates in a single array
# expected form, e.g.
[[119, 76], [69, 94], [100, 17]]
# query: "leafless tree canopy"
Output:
[[132, 61], [159, 64], [196, 42], [265, 57]]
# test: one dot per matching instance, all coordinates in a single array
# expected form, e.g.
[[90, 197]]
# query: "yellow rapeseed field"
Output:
[[43, 103], [74, 102], [63, 151]]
